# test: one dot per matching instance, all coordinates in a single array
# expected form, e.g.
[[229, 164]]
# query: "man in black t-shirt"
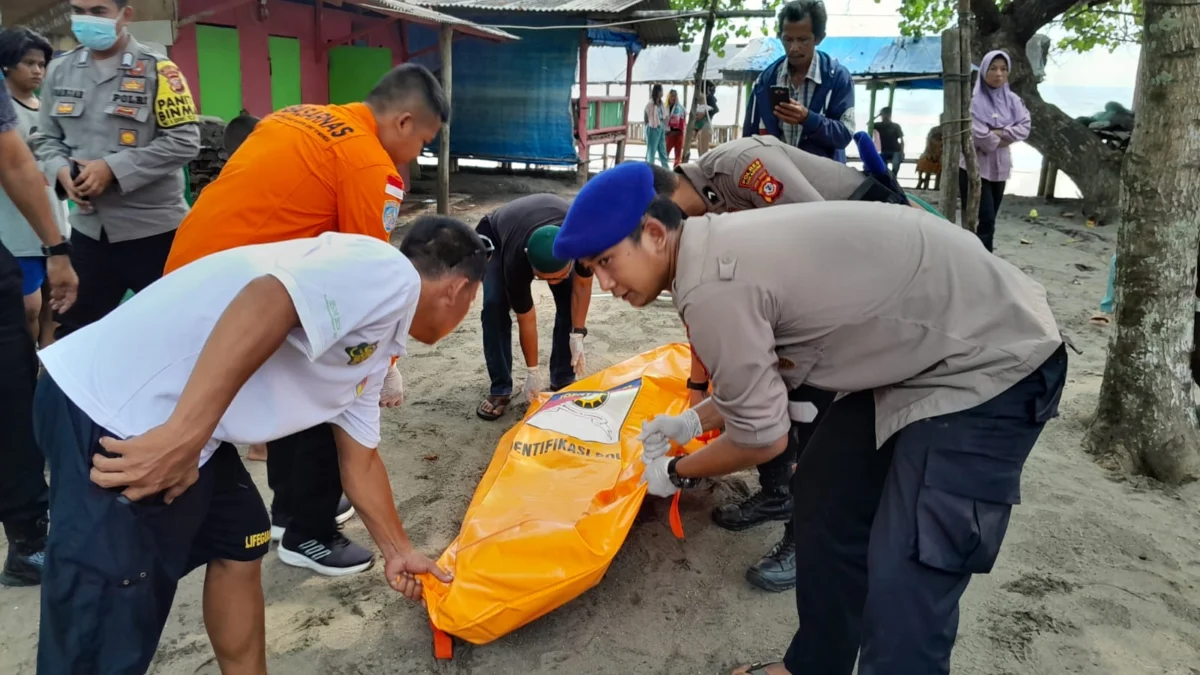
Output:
[[523, 232], [891, 140]]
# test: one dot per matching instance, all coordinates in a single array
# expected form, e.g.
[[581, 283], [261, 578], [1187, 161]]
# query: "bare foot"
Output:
[[769, 669], [258, 453]]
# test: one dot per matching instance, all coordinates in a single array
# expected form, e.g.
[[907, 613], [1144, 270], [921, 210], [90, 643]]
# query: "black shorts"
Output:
[[112, 566]]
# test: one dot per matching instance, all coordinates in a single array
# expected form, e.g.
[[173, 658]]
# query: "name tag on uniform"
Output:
[[69, 93], [130, 99], [136, 85]]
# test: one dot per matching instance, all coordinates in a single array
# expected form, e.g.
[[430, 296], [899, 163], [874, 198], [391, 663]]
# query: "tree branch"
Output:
[[987, 15], [1030, 16]]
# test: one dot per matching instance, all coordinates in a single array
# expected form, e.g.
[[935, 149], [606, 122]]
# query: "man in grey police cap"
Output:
[[949, 362]]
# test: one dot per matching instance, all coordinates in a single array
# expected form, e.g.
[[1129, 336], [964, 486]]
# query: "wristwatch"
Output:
[[61, 248], [677, 480], [579, 331], [697, 386]]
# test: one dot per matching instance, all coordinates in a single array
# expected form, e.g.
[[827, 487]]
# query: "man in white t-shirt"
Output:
[[242, 346]]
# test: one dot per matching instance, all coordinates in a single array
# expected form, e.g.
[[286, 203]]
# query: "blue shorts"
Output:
[[112, 566], [33, 273]]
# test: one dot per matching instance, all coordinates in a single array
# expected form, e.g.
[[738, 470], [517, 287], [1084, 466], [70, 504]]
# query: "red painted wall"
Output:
[[286, 20]]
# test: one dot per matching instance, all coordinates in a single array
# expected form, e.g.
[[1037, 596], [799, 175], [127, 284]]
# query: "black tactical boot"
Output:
[[765, 505], [776, 571], [26, 553]]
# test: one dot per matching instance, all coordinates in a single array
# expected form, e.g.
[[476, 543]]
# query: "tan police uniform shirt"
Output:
[[851, 296], [759, 171], [135, 112]]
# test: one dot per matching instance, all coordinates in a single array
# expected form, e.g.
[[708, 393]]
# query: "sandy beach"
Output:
[[1099, 574]]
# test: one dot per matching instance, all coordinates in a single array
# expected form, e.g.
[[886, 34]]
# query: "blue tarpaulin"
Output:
[[607, 37], [510, 101]]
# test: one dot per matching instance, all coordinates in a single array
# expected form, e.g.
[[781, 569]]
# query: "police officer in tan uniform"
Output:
[[759, 171], [752, 173], [117, 127], [950, 362]]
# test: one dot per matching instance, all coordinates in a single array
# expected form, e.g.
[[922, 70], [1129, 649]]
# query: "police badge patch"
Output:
[[770, 190], [391, 215]]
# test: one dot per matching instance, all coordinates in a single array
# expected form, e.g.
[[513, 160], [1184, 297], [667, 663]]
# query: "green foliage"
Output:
[[724, 29], [1087, 25]]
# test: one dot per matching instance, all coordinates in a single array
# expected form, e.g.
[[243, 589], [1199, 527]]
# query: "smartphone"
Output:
[[779, 95]]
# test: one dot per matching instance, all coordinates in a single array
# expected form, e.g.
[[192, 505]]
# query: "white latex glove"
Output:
[[533, 384], [392, 394], [657, 434], [658, 482], [578, 361]]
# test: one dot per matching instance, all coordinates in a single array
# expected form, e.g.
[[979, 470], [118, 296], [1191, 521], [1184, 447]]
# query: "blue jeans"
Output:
[[497, 331], [893, 160], [887, 539], [656, 143]]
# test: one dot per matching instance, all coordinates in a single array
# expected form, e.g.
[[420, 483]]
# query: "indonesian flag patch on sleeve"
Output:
[[395, 188]]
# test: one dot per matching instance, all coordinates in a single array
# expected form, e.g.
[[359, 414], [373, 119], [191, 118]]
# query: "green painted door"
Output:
[[353, 71], [220, 62], [285, 71]]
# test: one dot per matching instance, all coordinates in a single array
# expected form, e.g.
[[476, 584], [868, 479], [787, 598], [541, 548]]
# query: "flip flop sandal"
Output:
[[1100, 320], [757, 668], [499, 405]]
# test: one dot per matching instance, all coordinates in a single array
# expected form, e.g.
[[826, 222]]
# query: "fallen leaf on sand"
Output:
[[431, 458], [1026, 242]]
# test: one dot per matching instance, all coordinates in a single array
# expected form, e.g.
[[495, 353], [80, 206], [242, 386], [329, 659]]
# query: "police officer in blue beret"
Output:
[[948, 360]]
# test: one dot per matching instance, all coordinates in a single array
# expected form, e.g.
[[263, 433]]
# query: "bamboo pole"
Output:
[[951, 122], [965, 27], [445, 42], [698, 96]]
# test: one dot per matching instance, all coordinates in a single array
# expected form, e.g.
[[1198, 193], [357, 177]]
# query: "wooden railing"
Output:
[[721, 133]]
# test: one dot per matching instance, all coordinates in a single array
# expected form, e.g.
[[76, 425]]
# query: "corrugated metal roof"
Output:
[[665, 64], [555, 6], [424, 15], [659, 32], [906, 57], [866, 58]]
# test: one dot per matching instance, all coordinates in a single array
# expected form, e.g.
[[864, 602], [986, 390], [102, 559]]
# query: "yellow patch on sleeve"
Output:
[[173, 104]]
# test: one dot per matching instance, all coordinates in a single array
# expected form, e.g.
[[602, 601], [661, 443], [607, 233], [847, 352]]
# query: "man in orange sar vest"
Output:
[[303, 171]]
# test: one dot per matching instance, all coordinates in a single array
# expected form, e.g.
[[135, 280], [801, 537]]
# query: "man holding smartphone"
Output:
[[806, 98]]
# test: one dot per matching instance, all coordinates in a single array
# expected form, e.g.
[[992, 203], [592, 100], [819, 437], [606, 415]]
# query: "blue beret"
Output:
[[606, 211]]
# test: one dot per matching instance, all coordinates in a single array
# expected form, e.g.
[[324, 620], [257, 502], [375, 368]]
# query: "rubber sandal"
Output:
[[1100, 319], [499, 406]]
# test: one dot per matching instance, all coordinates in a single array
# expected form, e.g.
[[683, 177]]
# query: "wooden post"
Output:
[[604, 153], [952, 126], [737, 111], [630, 57], [891, 94], [871, 119], [445, 41], [1041, 189], [698, 96], [974, 187], [582, 172], [1051, 181]]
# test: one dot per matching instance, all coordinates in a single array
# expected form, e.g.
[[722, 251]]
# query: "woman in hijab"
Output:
[[998, 119]]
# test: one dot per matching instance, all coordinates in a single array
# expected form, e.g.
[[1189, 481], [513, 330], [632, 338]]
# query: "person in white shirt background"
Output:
[[138, 413], [23, 58]]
